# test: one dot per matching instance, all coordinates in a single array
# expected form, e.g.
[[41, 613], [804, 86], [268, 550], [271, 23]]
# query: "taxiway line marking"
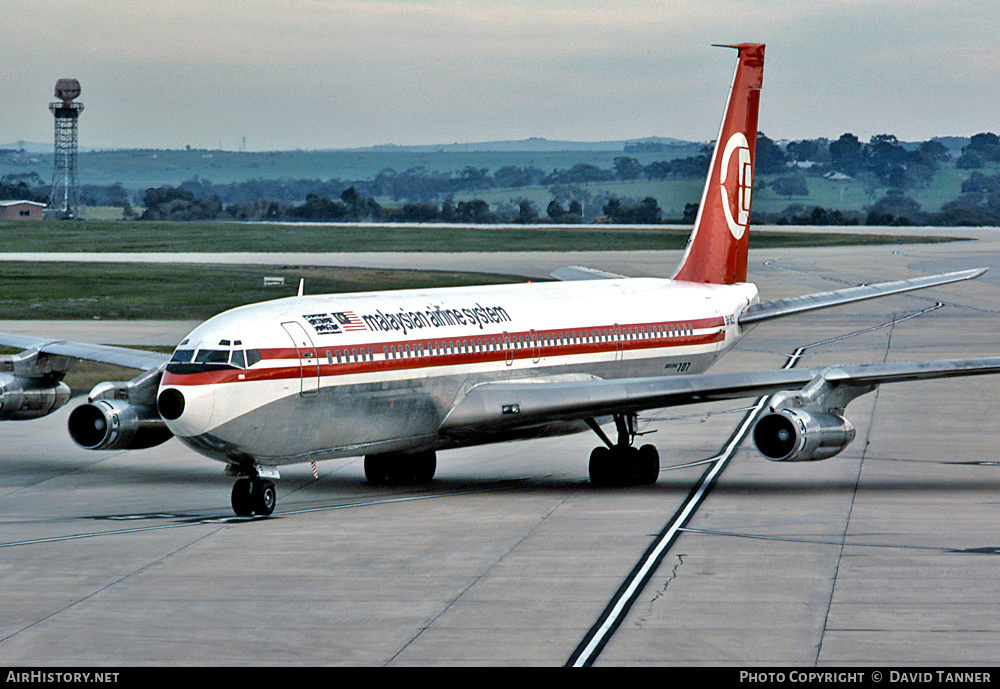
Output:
[[614, 613]]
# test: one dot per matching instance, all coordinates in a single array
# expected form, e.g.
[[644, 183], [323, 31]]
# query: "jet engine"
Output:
[[117, 425], [30, 398], [797, 435]]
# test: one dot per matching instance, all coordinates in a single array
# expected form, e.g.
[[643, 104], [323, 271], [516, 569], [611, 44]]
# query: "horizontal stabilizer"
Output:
[[583, 273], [766, 310]]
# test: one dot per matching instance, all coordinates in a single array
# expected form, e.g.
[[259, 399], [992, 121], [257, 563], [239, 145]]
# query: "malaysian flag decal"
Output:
[[349, 321]]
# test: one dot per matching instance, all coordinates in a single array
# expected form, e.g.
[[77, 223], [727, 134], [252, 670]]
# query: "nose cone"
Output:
[[186, 410]]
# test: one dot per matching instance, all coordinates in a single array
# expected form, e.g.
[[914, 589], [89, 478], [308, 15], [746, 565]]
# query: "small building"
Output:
[[21, 210]]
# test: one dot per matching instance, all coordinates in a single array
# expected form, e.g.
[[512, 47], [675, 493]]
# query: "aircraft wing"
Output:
[[493, 407], [106, 354], [766, 310], [583, 273]]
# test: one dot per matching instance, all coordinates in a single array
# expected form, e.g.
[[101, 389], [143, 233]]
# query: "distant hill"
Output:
[[28, 147], [533, 144]]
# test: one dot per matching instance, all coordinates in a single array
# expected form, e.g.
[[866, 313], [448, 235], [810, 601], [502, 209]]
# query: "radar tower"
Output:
[[65, 185]]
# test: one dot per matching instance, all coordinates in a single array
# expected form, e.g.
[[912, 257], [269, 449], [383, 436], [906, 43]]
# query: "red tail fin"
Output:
[[717, 249]]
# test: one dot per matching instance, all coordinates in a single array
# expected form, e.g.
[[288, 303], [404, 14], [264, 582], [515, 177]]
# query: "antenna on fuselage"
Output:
[[302, 286]]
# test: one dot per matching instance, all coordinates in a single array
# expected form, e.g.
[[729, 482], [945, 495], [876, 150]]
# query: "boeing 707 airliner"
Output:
[[397, 376]]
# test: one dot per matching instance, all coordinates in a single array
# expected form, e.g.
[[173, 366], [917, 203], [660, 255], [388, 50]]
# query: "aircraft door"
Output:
[[618, 342], [536, 351], [308, 360], [508, 348]]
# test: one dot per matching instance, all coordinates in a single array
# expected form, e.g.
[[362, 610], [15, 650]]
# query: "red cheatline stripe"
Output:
[[380, 364]]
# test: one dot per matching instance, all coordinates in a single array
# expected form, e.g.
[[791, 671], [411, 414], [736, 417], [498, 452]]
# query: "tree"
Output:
[[846, 154], [894, 209], [768, 157], [475, 211], [527, 214], [969, 160], [648, 211], [574, 213], [628, 168], [809, 150], [449, 213], [986, 144], [935, 151], [350, 197], [791, 185]]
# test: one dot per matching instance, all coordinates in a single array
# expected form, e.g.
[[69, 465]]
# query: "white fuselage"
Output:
[[315, 377]]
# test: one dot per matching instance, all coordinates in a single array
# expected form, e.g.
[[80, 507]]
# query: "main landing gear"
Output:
[[254, 496], [621, 464], [397, 468]]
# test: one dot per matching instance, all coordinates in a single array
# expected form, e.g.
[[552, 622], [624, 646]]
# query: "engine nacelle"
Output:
[[117, 425], [30, 398], [797, 435]]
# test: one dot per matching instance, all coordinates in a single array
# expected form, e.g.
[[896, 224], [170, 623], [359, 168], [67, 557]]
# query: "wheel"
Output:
[[263, 497], [602, 469], [377, 469], [394, 468], [422, 466], [648, 465], [242, 500]]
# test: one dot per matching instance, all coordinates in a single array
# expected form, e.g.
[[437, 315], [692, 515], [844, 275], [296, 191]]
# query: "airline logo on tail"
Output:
[[738, 196], [717, 250]]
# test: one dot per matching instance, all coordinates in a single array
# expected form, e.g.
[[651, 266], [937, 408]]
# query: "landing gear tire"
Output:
[[242, 501], [602, 467], [264, 497], [624, 466], [648, 465], [398, 468], [377, 470], [254, 496]]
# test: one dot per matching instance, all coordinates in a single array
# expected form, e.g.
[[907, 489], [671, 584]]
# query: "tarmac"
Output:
[[885, 555]]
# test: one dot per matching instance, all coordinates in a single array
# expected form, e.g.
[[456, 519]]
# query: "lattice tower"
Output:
[[65, 184]]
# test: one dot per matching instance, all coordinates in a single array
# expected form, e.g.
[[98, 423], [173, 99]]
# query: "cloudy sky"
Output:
[[343, 73]]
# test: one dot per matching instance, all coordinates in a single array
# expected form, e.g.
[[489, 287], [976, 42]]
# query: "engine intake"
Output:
[[797, 435], [117, 425]]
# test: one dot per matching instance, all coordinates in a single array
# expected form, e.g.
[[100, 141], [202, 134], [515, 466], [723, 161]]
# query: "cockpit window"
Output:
[[182, 356], [212, 356], [186, 360], [237, 359]]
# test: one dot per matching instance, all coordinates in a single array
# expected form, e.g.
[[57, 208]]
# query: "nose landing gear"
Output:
[[254, 496], [622, 464], [253, 493]]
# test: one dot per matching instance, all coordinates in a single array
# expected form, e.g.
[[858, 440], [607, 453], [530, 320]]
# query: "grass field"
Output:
[[66, 291], [104, 236]]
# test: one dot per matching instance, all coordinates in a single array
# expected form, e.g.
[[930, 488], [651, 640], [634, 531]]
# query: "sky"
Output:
[[311, 74]]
